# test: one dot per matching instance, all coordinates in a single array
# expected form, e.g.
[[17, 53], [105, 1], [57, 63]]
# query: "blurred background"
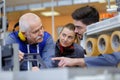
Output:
[[54, 13]]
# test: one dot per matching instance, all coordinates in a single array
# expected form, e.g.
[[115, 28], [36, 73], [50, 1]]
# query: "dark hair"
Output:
[[87, 15], [16, 25]]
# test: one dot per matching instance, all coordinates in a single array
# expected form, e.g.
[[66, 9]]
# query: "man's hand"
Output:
[[20, 55], [70, 62]]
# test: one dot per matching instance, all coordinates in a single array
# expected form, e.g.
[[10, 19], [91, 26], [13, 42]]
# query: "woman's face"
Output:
[[66, 37]]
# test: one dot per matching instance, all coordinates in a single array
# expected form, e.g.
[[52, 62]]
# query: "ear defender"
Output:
[[21, 36]]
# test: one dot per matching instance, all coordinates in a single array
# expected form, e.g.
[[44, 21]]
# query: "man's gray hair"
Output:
[[24, 25], [26, 20]]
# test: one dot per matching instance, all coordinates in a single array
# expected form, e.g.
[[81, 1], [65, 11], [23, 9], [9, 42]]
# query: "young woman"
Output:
[[66, 46]]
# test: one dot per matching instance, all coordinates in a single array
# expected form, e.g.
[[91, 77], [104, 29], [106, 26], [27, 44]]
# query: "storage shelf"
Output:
[[103, 26]]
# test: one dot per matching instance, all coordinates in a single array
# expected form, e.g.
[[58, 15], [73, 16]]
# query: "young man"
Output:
[[82, 17], [32, 38]]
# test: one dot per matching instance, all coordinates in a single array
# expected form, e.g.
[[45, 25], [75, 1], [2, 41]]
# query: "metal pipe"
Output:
[[109, 4], [52, 9], [0, 59], [4, 22]]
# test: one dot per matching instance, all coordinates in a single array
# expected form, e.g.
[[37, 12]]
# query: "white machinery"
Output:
[[106, 27], [2, 23], [103, 37], [64, 74]]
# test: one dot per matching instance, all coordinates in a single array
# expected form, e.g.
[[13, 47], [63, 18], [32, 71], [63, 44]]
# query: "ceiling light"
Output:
[[112, 6], [50, 13], [36, 9], [104, 1]]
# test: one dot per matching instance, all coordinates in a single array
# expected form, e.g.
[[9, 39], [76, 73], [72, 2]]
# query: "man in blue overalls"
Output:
[[32, 38]]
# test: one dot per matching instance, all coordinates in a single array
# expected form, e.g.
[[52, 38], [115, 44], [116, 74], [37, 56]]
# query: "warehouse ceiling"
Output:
[[11, 3], [64, 7]]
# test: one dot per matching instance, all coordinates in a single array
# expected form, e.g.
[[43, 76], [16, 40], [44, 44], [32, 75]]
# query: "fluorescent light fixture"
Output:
[[104, 1], [37, 9], [93, 0], [50, 13], [112, 10], [80, 1], [112, 6]]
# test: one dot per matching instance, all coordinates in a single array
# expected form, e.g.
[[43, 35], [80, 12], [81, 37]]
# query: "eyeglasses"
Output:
[[79, 27]]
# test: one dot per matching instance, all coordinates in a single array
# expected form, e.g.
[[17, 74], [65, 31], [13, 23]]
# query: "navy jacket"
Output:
[[74, 51], [46, 48], [104, 60]]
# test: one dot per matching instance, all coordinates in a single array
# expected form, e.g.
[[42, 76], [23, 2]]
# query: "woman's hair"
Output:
[[69, 26]]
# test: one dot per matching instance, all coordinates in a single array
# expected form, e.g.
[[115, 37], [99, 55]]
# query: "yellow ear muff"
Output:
[[21, 36]]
